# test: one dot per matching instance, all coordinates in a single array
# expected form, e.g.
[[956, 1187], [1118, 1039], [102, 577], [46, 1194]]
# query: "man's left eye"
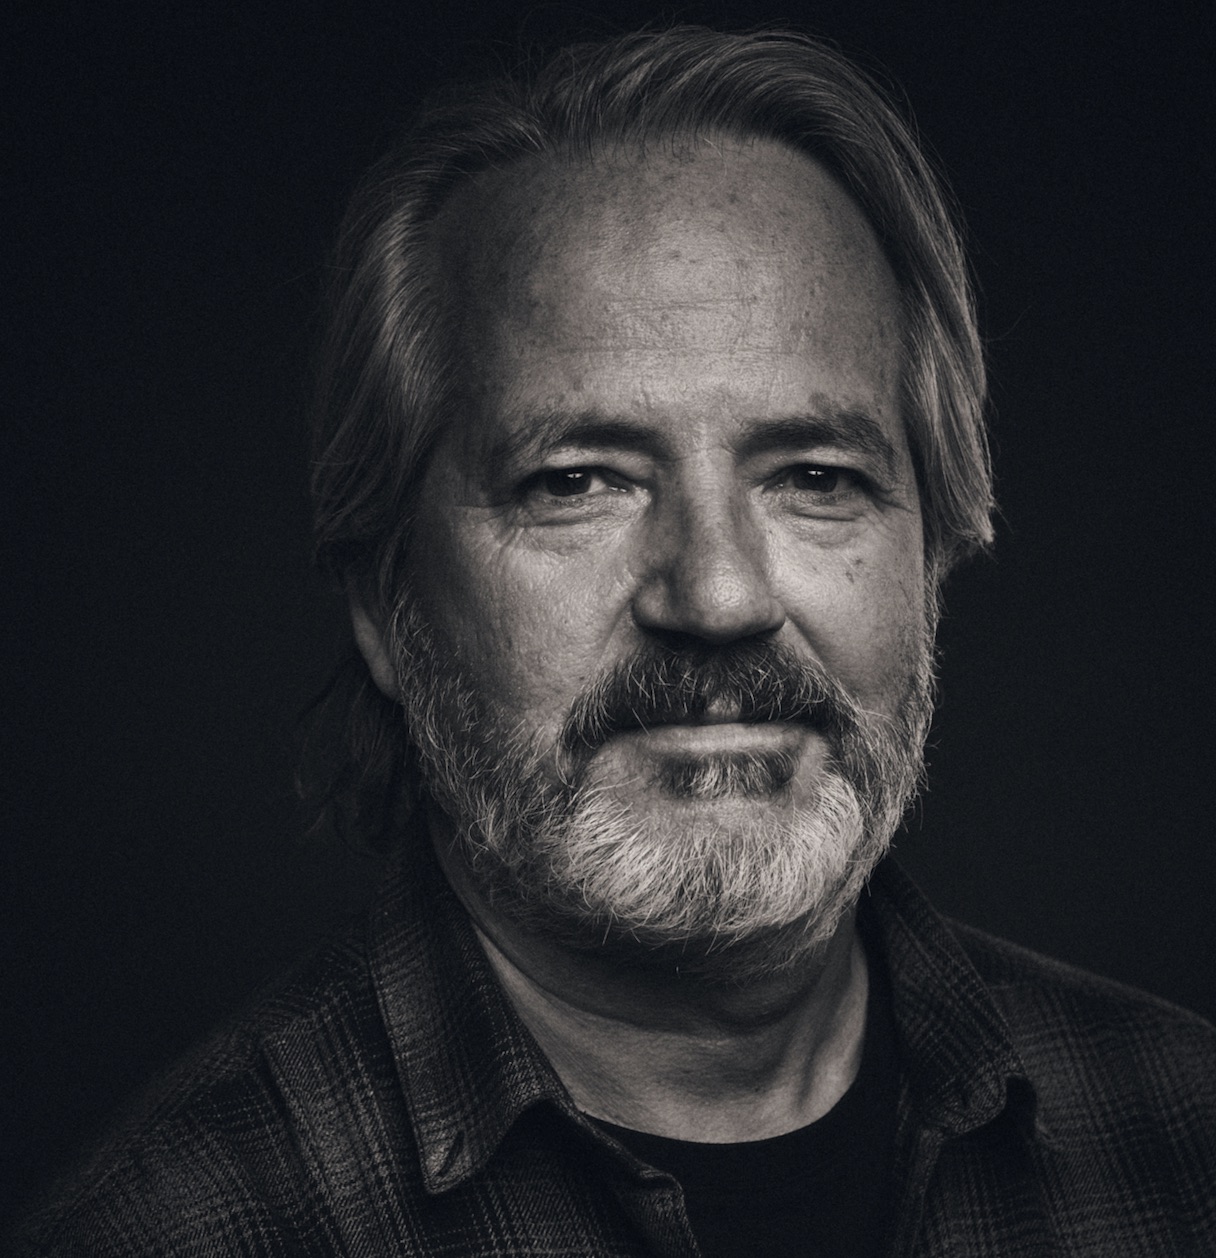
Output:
[[819, 478], [823, 480], [567, 482]]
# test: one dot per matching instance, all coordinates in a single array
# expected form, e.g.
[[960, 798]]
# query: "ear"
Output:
[[370, 641]]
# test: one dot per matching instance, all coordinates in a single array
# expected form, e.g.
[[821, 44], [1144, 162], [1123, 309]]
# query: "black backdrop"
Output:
[[180, 172]]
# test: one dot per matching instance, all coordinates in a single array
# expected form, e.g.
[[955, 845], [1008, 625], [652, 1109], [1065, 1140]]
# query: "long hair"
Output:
[[384, 386]]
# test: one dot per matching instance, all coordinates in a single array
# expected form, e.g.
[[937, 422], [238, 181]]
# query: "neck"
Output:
[[692, 1059]]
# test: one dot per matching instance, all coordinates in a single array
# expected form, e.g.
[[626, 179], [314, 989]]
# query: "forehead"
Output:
[[716, 266]]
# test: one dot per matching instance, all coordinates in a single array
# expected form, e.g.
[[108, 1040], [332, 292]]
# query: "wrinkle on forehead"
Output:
[[513, 242]]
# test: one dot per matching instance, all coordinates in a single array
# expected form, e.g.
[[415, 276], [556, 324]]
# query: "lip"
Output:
[[717, 735]]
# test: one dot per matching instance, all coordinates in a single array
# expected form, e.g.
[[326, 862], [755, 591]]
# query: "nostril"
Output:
[[723, 614], [682, 642], [706, 567], [675, 640]]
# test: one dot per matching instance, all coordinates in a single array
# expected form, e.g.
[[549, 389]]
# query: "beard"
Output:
[[740, 876]]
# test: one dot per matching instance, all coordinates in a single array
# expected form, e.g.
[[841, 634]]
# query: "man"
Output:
[[649, 428]]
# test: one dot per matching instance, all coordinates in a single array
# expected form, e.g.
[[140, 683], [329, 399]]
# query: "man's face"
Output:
[[680, 444]]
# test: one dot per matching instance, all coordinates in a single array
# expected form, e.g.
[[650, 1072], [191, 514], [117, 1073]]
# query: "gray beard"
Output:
[[727, 894]]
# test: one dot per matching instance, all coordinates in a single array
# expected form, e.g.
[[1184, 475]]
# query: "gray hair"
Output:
[[385, 379]]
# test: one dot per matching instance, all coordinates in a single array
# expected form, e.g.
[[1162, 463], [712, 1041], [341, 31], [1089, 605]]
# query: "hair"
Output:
[[385, 382]]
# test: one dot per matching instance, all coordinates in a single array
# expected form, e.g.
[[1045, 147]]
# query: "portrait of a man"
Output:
[[650, 421]]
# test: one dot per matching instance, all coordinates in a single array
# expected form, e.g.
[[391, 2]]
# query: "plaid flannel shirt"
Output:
[[388, 1101]]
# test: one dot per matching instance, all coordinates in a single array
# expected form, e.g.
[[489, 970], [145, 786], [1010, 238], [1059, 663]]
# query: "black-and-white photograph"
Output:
[[609, 631]]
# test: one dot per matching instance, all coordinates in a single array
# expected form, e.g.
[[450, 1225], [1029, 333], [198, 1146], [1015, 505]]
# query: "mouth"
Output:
[[721, 712], [730, 701], [716, 732]]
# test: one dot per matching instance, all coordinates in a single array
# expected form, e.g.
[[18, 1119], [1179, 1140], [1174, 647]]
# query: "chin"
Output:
[[728, 850], [716, 884]]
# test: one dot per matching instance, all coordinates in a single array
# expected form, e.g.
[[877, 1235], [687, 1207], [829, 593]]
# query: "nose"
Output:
[[706, 573]]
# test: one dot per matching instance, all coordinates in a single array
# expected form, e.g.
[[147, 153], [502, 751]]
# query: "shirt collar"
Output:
[[468, 1066], [960, 1061], [470, 1069]]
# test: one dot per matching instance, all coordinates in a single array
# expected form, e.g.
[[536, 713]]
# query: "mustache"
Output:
[[755, 681]]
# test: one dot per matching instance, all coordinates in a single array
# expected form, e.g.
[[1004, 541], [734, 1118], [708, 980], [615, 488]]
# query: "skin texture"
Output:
[[681, 423]]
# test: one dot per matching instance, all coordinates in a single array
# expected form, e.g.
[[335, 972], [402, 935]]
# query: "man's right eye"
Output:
[[574, 482]]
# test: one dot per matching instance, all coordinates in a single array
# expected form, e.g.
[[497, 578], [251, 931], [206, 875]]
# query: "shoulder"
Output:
[[214, 1156], [1048, 990], [1091, 1044]]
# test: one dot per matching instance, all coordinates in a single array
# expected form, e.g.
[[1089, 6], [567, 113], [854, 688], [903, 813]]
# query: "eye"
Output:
[[816, 478], [821, 489], [573, 482], [567, 482], [822, 480], [574, 495]]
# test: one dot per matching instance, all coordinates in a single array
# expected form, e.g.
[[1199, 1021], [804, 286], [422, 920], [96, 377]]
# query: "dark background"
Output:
[[180, 172]]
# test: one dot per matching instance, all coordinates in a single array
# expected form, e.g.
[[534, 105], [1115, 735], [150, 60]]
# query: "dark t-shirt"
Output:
[[823, 1191]]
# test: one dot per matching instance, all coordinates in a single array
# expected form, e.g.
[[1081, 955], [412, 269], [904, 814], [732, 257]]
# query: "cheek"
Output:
[[893, 597], [528, 629], [862, 611]]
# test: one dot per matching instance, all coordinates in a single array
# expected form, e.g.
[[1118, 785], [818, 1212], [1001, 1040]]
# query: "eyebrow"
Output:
[[549, 430], [842, 428]]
